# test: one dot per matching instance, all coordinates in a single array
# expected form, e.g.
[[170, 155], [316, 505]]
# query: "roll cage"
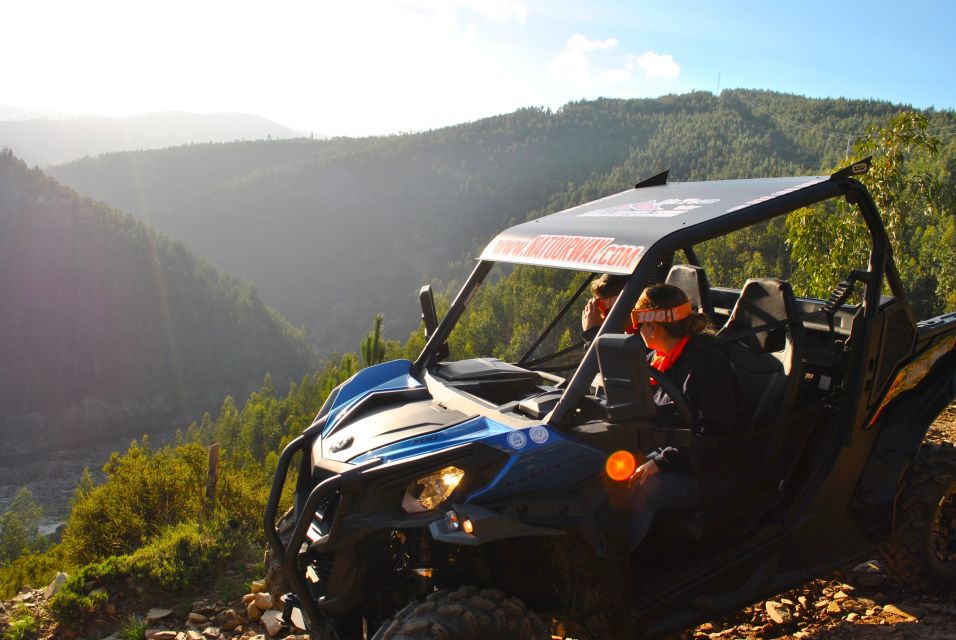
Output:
[[640, 218]]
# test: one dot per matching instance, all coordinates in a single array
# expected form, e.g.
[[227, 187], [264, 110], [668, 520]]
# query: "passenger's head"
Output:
[[664, 315], [605, 289]]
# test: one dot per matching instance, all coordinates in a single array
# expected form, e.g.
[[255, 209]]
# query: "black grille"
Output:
[[898, 334], [320, 564], [324, 516]]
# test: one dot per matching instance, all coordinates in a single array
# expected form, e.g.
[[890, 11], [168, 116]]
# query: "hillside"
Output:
[[43, 141], [334, 231], [109, 327]]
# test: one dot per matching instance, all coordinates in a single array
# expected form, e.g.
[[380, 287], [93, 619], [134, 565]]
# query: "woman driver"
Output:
[[681, 350]]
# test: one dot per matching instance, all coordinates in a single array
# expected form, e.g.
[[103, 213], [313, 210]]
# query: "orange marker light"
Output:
[[620, 465]]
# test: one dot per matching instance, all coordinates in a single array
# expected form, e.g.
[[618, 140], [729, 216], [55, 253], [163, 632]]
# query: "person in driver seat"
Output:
[[604, 292], [680, 349]]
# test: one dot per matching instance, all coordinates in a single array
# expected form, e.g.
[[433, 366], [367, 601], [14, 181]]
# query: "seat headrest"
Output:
[[692, 281], [763, 301]]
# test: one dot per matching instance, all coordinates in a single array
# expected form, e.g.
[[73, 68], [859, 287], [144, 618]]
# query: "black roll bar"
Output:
[[880, 263]]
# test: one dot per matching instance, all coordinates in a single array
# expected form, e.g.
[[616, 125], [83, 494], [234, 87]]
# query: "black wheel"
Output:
[[464, 614], [922, 552]]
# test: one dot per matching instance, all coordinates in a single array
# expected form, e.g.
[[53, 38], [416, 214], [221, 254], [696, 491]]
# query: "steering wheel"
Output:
[[676, 396]]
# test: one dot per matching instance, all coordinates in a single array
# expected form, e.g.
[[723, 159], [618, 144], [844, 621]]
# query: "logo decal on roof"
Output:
[[571, 252], [776, 194], [650, 208]]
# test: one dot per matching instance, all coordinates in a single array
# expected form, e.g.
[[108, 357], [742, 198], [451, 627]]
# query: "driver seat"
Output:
[[765, 349]]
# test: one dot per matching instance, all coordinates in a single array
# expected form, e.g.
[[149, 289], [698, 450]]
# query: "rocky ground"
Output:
[[254, 617], [859, 603]]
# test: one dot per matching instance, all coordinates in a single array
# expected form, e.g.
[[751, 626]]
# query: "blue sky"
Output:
[[382, 66]]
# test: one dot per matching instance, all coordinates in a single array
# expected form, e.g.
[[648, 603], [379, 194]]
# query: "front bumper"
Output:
[[338, 506]]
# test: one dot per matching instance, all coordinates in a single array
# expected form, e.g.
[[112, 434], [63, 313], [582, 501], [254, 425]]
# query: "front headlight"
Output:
[[429, 491]]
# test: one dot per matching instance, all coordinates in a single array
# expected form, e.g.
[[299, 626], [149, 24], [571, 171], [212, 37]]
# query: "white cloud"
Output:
[[579, 42], [657, 66], [574, 67], [571, 65]]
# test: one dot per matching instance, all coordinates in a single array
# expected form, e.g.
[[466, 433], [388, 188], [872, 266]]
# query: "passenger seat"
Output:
[[768, 362], [693, 281]]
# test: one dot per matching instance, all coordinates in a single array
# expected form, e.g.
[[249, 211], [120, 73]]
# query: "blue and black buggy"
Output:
[[475, 498]]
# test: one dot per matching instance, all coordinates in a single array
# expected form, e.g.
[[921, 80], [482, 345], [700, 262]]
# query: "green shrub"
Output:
[[23, 625], [83, 595], [144, 493], [73, 608], [134, 629], [31, 569], [240, 501], [177, 558]]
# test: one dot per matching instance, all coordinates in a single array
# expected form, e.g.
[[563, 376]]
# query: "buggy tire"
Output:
[[464, 614], [922, 550]]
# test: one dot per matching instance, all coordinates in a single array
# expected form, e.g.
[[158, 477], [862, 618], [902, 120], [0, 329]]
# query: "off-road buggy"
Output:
[[472, 498]]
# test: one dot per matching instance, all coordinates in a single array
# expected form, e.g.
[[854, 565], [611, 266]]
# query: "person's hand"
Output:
[[591, 315], [642, 473]]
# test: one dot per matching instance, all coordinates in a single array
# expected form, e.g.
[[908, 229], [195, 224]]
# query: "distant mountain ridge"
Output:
[[108, 327], [333, 231], [44, 141]]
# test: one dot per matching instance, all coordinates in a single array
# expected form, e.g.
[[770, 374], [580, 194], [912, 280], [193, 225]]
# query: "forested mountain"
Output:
[[106, 325], [42, 141], [133, 532], [334, 231]]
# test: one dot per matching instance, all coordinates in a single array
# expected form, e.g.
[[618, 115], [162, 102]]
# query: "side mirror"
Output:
[[622, 360], [430, 317]]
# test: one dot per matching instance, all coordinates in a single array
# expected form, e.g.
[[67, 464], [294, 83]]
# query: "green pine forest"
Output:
[[421, 205], [108, 326], [333, 231]]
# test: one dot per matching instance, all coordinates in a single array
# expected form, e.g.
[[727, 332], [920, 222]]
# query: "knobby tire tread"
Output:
[[909, 557], [467, 613]]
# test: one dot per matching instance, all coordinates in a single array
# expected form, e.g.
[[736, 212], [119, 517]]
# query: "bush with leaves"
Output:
[[183, 559], [31, 569], [144, 492], [916, 201]]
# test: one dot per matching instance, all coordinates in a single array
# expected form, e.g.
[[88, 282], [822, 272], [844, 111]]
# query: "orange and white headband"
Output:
[[668, 314]]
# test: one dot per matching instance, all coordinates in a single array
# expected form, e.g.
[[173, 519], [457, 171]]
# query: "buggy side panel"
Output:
[[920, 391]]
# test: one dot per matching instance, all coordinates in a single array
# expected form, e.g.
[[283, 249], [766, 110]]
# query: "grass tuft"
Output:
[[23, 625], [133, 629]]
